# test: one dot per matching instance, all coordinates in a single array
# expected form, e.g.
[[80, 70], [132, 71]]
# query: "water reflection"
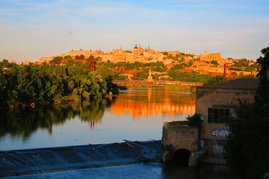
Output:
[[153, 102], [136, 114], [25, 122]]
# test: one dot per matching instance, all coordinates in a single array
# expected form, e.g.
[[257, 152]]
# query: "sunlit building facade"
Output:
[[218, 102]]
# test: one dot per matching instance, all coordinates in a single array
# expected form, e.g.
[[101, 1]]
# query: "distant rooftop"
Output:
[[238, 83]]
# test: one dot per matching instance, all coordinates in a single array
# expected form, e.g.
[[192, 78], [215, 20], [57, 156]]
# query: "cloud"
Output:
[[51, 27]]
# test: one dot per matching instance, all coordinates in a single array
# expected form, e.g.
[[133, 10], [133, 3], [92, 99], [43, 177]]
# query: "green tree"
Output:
[[67, 57], [142, 75], [215, 80], [196, 120], [262, 95], [81, 57], [215, 63], [4, 83], [4, 64], [21, 85], [77, 57], [247, 146], [98, 86], [56, 60], [91, 57]]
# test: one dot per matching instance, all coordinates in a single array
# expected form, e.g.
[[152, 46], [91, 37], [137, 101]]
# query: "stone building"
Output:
[[205, 56], [217, 102]]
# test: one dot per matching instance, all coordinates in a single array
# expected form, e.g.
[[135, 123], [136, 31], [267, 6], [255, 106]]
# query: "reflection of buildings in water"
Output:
[[149, 94], [147, 109], [161, 102], [91, 122]]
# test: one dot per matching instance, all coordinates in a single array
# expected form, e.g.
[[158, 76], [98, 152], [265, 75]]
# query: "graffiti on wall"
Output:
[[218, 149], [220, 132]]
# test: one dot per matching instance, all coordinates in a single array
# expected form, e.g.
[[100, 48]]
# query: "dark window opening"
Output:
[[218, 115]]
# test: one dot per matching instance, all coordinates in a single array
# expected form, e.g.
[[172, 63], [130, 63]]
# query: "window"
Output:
[[218, 115]]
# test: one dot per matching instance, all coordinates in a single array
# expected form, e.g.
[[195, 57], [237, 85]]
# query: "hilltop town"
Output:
[[205, 63]]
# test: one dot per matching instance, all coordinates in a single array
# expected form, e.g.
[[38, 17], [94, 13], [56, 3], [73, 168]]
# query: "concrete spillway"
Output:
[[44, 160]]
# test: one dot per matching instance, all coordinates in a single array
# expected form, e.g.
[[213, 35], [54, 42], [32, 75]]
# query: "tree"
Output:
[[36, 84], [67, 57], [81, 57], [4, 84], [98, 86], [56, 60], [77, 57], [215, 80], [91, 57], [215, 63], [4, 64], [247, 146], [196, 120], [262, 95]]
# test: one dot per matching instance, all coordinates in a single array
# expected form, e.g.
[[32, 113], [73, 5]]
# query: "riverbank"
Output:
[[46, 160]]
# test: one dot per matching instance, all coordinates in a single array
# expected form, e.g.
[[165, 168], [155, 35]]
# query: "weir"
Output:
[[46, 160]]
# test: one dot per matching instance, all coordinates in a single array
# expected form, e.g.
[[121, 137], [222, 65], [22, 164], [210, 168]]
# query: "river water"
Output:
[[137, 114]]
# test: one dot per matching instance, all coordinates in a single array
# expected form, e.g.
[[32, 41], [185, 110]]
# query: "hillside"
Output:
[[205, 63]]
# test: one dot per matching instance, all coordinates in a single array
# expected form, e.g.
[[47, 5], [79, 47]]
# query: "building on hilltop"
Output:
[[205, 56], [217, 102]]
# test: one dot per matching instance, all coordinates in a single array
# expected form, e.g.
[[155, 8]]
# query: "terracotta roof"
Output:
[[239, 83]]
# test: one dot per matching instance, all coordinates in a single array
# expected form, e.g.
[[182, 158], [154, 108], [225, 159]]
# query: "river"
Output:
[[137, 114]]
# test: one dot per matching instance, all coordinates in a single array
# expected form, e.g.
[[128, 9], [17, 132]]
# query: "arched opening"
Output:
[[181, 157]]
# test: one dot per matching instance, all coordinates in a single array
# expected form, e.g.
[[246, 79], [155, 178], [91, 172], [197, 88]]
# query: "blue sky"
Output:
[[31, 29]]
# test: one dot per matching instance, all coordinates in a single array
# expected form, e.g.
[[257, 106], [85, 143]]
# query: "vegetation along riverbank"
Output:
[[83, 75], [33, 84]]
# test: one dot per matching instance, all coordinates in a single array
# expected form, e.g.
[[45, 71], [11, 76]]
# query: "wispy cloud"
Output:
[[57, 26]]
